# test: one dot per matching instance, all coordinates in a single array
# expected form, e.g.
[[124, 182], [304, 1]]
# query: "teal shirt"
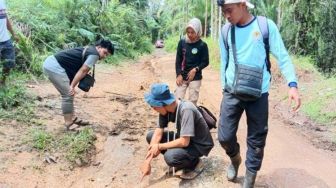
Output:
[[251, 51]]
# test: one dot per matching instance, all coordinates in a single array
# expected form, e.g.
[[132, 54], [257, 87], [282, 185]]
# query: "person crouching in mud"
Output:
[[184, 148]]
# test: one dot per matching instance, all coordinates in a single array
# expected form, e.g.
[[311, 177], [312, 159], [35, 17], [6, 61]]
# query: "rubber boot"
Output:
[[232, 170], [249, 179]]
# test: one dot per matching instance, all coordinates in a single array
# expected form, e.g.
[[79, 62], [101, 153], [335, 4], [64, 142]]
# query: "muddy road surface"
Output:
[[120, 119]]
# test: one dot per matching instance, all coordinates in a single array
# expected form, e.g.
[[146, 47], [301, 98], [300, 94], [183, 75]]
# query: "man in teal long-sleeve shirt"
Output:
[[250, 52]]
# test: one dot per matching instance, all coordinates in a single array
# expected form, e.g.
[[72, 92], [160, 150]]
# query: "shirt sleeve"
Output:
[[91, 60], [205, 57], [179, 58], [223, 59], [278, 50], [187, 123]]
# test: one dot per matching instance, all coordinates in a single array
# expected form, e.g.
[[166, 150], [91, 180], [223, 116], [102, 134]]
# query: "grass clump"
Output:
[[78, 145]]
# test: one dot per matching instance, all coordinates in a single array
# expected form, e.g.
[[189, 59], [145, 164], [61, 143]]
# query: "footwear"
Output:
[[80, 122], [191, 174], [67, 126], [232, 170], [249, 179]]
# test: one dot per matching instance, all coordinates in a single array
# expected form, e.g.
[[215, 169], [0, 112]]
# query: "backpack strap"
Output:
[[225, 33], [263, 26]]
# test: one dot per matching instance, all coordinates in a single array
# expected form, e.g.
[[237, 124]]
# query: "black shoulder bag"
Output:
[[88, 81], [247, 83]]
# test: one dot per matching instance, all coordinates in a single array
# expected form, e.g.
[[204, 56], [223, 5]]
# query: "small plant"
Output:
[[41, 140], [77, 145]]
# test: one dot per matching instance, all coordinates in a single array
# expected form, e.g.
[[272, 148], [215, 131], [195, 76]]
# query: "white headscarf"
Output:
[[196, 25]]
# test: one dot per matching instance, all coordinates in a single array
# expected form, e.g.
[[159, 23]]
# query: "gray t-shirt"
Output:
[[190, 122], [52, 64]]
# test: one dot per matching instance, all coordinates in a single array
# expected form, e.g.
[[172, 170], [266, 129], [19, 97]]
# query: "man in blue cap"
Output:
[[192, 139]]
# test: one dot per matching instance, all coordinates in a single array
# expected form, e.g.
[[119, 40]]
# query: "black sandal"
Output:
[[80, 122]]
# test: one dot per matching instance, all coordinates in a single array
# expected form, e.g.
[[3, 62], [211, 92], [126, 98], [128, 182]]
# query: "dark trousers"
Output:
[[181, 158], [257, 127]]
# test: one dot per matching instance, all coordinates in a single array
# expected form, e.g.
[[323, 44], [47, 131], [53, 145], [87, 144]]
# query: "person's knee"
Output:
[[171, 158], [225, 139], [149, 136]]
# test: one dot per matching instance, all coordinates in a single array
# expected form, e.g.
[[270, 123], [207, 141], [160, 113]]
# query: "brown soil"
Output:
[[121, 118]]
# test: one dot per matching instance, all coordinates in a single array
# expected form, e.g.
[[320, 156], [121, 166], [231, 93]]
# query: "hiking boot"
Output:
[[232, 170], [249, 179]]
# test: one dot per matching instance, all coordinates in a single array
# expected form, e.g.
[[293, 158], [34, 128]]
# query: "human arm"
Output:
[[204, 62], [86, 67], [286, 66], [177, 143], [11, 30], [152, 152], [178, 64], [223, 60]]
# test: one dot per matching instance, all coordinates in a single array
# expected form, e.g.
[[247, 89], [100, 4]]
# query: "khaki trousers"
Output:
[[194, 89]]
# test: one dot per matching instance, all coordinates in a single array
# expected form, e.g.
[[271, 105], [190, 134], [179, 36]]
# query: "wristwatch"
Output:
[[292, 84]]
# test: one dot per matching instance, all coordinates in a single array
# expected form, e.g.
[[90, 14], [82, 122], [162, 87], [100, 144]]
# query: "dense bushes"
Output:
[[55, 25], [308, 28]]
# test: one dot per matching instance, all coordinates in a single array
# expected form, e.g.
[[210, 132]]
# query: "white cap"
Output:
[[248, 4]]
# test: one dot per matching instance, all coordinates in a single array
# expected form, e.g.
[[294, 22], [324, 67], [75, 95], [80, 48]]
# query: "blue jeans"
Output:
[[181, 158], [257, 127], [7, 54]]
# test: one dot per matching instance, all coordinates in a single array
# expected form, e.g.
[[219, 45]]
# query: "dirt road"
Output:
[[121, 118]]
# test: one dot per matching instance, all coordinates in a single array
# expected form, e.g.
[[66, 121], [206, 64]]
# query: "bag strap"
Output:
[[225, 32], [83, 57], [263, 26]]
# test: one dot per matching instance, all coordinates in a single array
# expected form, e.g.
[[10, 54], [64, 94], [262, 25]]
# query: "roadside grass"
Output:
[[77, 146], [16, 103], [73, 145], [318, 93]]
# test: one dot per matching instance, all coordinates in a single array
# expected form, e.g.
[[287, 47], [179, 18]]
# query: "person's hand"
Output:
[[293, 95], [16, 38], [191, 74], [154, 150], [145, 169], [179, 80], [72, 91]]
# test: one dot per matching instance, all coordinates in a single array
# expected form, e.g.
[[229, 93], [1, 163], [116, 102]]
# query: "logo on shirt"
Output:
[[194, 51], [256, 35]]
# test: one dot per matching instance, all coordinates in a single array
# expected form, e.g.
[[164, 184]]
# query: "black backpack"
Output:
[[209, 118]]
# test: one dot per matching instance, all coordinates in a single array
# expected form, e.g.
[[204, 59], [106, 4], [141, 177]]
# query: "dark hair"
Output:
[[106, 44], [220, 2]]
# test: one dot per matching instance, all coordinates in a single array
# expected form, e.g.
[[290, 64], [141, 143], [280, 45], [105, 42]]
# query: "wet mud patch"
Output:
[[290, 177], [129, 126]]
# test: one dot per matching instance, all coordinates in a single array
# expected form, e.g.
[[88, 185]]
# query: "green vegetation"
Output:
[[318, 92], [78, 145], [74, 145], [41, 140], [15, 103]]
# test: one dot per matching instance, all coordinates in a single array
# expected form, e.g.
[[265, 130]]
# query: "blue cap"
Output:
[[159, 95]]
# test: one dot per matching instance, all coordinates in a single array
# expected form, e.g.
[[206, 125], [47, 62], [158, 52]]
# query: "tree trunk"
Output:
[[212, 19], [206, 18]]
